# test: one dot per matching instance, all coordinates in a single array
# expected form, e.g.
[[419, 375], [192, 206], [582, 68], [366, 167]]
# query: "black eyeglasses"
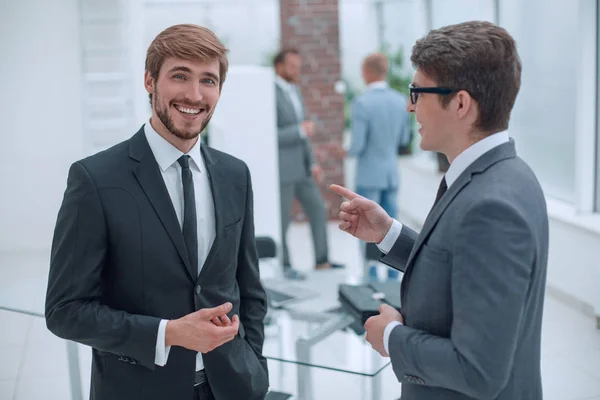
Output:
[[415, 91]]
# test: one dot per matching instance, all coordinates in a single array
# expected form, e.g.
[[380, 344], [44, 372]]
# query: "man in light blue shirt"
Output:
[[380, 125]]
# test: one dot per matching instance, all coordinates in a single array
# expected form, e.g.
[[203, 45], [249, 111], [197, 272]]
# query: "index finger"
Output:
[[344, 192], [384, 307]]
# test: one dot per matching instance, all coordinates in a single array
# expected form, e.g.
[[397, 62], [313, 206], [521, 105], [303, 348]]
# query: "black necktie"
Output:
[[190, 232], [441, 190]]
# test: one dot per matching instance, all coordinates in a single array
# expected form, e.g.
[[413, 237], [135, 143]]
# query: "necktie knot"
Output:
[[184, 161]]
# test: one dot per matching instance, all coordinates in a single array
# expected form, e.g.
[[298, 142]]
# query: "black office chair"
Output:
[[277, 396], [266, 247]]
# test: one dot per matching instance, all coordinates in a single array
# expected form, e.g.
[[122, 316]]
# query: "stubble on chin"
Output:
[[185, 134]]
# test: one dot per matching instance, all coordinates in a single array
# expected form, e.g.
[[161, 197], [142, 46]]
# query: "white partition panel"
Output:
[[40, 110], [244, 125]]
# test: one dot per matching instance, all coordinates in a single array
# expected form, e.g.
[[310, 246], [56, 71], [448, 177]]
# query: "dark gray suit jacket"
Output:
[[473, 288], [295, 153], [119, 266]]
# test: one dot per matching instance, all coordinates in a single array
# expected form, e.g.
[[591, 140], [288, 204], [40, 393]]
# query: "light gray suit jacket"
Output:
[[380, 124], [473, 287], [295, 153]]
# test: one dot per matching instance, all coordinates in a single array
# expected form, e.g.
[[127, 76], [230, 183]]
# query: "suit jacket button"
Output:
[[198, 289]]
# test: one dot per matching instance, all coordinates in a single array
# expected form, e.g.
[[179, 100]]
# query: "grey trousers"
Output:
[[309, 196]]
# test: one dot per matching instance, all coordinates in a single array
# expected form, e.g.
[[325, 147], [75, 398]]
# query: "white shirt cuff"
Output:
[[386, 335], [302, 131], [390, 238], [162, 351]]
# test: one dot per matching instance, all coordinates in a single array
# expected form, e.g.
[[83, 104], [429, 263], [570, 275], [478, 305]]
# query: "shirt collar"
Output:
[[377, 85], [472, 153], [285, 85], [166, 154]]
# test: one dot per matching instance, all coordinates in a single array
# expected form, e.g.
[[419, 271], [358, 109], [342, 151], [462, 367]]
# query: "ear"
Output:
[[149, 82], [464, 104]]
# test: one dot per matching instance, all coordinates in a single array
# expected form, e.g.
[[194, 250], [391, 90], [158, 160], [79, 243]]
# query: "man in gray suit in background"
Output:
[[474, 277], [298, 170], [380, 124]]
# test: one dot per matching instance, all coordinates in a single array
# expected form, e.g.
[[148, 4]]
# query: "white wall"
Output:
[[244, 125], [40, 110], [249, 28], [551, 61], [402, 23], [573, 265]]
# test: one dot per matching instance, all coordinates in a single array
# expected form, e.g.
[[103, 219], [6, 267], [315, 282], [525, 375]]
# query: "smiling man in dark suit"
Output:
[[154, 263]]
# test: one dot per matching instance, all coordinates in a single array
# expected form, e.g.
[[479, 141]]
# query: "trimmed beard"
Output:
[[163, 115]]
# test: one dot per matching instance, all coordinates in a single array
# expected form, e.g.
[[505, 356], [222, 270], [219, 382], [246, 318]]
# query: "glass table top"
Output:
[[287, 333], [331, 343], [24, 279]]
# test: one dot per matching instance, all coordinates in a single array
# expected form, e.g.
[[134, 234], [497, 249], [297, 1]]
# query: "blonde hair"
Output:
[[377, 63], [189, 42]]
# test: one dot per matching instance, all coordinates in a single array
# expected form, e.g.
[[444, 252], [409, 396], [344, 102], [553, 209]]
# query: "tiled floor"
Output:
[[33, 364]]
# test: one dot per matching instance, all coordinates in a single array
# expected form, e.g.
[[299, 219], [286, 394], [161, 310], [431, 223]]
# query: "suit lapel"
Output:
[[436, 212], [302, 115], [148, 175], [499, 153], [219, 191], [291, 108]]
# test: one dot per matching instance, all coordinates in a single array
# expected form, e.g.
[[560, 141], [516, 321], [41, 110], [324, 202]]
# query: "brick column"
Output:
[[312, 27]]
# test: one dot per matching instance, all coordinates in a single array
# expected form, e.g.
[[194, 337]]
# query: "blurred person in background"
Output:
[[474, 279], [298, 171], [380, 124], [160, 280]]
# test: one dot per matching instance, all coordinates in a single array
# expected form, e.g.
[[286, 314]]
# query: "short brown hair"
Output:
[[377, 63], [282, 54], [478, 57], [188, 42]]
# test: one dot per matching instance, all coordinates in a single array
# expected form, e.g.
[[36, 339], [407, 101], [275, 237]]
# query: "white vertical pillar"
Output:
[[587, 107], [244, 125], [37, 146], [137, 57]]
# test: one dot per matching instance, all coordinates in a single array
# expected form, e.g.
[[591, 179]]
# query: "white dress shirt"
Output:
[[458, 166], [166, 156], [292, 91]]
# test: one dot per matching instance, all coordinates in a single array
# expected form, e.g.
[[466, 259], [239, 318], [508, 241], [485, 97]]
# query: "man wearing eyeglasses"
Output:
[[474, 277], [379, 126]]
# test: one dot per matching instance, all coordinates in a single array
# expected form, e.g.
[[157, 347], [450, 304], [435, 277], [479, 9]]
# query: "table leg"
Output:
[[376, 380], [74, 371], [376, 387], [303, 346], [304, 383]]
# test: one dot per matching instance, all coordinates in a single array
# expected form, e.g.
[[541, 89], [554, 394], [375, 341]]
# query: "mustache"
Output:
[[190, 104]]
